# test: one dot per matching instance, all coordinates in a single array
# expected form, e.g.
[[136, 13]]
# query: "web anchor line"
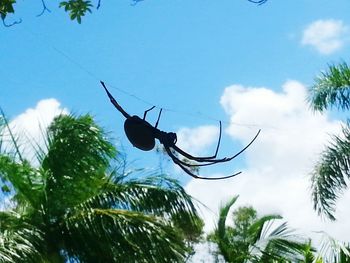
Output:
[[84, 69]]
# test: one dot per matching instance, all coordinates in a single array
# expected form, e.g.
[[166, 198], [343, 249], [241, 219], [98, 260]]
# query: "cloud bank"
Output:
[[276, 177], [30, 126], [198, 139], [326, 36]]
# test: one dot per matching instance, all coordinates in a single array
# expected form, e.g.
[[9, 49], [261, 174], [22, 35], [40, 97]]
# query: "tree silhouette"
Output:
[[74, 206]]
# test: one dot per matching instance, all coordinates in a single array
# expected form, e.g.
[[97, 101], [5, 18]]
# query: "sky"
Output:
[[249, 66]]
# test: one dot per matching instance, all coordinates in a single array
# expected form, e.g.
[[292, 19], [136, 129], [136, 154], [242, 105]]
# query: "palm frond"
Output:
[[330, 175], [331, 89], [158, 195], [309, 256], [332, 250], [280, 244], [13, 138], [122, 235], [221, 231], [221, 228], [261, 227], [19, 241], [84, 214], [2, 128], [24, 180], [78, 152]]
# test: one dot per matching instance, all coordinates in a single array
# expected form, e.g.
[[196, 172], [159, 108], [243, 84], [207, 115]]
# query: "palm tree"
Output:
[[254, 239], [332, 250], [332, 90], [73, 207]]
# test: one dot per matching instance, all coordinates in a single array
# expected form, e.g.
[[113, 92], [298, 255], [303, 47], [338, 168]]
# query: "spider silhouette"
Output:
[[142, 135]]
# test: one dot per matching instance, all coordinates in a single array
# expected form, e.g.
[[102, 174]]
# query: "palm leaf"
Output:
[[84, 214], [332, 250], [13, 139], [75, 162], [331, 89], [156, 200], [156, 194], [221, 228], [278, 244], [222, 239], [19, 241], [261, 226], [330, 174], [121, 235], [23, 179]]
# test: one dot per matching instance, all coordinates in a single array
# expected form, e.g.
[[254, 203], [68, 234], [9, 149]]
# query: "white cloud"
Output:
[[197, 139], [326, 36], [276, 177], [30, 126]]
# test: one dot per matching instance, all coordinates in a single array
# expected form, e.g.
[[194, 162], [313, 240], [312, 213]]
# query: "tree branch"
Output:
[[98, 4], [44, 8], [11, 24], [259, 2], [135, 2]]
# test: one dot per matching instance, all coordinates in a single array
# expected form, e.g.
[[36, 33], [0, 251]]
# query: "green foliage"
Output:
[[331, 90], [252, 238], [6, 7], [73, 207], [309, 253], [18, 239], [331, 173], [76, 8], [331, 250]]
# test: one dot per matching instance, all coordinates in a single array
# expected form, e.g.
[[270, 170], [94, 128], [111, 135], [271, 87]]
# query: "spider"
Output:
[[142, 135]]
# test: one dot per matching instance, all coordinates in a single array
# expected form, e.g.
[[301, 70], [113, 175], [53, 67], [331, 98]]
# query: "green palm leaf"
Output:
[[331, 89], [121, 234], [76, 160], [279, 244], [222, 237], [332, 250], [159, 195], [19, 241], [258, 229], [223, 216], [330, 174], [253, 239], [78, 210], [23, 179]]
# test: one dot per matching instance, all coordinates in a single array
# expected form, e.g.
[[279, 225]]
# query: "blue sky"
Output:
[[169, 53], [185, 53], [206, 61]]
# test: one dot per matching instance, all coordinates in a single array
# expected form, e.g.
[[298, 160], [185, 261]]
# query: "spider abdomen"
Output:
[[139, 133]]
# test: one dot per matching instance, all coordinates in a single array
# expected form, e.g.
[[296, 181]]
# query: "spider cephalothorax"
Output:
[[142, 135]]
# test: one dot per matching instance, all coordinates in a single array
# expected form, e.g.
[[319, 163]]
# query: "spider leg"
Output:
[[201, 159], [198, 159], [206, 159], [209, 162], [234, 156], [144, 115], [114, 102], [160, 112], [186, 170]]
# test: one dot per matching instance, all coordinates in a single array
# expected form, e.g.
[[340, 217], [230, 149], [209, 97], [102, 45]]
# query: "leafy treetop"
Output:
[[75, 8]]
